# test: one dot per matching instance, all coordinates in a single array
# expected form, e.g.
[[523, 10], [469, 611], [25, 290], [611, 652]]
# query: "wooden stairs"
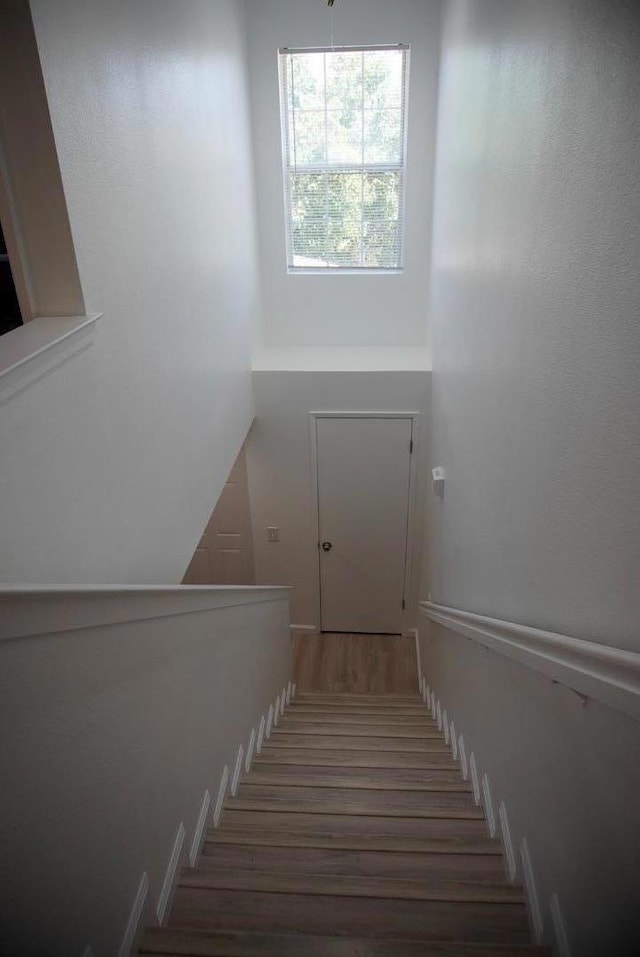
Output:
[[353, 835]]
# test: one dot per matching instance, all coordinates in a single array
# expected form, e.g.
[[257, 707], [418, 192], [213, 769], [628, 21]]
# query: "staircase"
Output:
[[353, 835]]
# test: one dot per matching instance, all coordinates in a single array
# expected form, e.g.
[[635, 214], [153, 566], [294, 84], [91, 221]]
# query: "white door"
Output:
[[364, 468]]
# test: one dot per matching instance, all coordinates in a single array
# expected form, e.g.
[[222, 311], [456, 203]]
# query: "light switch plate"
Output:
[[273, 534]]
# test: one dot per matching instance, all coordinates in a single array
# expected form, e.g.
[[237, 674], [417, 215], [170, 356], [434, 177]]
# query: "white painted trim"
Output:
[[433, 704], [439, 715], [289, 693], [29, 610], [463, 758], [454, 741], [414, 417], [533, 907], [250, 749], [562, 941], [260, 739], [222, 793], [131, 930], [283, 700], [201, 823], [507, 843], [609, 675], [307, 630], [427, 693], [170, 874], [473, 772], [237, 771], [36, 348], [294, 688], [488, 805], [276, 712], [445, 726], [413, 632], [267, 730]]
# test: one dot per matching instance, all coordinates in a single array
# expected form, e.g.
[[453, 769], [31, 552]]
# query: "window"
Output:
[[344, 148]]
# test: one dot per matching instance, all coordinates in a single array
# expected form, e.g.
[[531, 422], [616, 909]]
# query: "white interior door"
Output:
[[364, 469]]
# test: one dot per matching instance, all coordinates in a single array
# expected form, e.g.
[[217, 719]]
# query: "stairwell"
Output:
[[353, 835]]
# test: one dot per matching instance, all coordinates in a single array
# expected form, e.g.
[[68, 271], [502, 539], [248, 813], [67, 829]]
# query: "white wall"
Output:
[[111, 735], [280, 474], [112, 462], [568, 774], [343, 310], [536, 339], [535, 410]]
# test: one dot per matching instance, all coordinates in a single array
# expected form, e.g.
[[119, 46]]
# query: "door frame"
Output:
[[411, 505]]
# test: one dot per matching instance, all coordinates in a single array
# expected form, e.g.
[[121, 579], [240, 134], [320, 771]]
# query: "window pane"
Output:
[[344, 80], [383, 79], [306, 78], [307, 138], [344, 242], [381, 245], [308, 214], [382, 136], [381, 193], [344, 139]]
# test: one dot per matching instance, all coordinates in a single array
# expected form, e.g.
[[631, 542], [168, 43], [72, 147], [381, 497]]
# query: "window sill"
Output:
[[37, 347], [335, 271]]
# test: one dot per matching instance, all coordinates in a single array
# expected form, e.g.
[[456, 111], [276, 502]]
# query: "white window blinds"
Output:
[[344, 147]]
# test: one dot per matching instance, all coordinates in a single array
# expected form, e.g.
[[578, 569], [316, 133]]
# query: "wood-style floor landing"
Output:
[[345, 663]]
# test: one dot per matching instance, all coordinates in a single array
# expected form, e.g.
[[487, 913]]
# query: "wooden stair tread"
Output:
[[381, 779], [360, 710], [363, 697], [368, 730], [382, 842], [353, 824], [352, 801], [177, 942], [357, 916], [417, 720], [349, 885], [364, 862], [338, 757], [371, 742]]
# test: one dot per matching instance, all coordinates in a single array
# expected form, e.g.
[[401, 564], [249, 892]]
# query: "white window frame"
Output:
[[288, 168]]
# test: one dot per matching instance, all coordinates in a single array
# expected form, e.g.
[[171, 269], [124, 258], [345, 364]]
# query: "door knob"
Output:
[[327, 546]]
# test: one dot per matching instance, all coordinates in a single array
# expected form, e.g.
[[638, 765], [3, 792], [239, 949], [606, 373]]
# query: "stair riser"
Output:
[[362, 917], [412, 866]]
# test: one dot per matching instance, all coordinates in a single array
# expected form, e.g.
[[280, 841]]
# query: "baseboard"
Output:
[[170, 875], [473, 774], [198, 834], [507, 843], [562, 941], [488, 805], [533, 905], [260, 738], [237, 771], [306, 630], [133, 924], [222, 793], [250, 749]]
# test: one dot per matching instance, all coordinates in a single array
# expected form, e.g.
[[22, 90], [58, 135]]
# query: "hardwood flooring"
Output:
[[353, 835], [355, 663]]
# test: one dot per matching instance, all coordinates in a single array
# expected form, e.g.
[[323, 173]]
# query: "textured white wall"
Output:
[[567, 771], [111, 735], [111, 464], [280, 472], [534, 317], [343, 310]]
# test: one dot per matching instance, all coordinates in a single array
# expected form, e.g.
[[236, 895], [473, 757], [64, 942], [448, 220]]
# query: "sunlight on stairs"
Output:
[[353, 835]]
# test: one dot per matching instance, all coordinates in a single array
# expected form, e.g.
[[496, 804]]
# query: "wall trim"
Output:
[[307, 631], [222, 793], [488, 805], [133, 923], [170, 874], [562, 941], [250, 749], [507, 843], [237, 771], [30, 610], [198, 834], [533, 905], [608, 675], [473, 774], [260, 738]]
